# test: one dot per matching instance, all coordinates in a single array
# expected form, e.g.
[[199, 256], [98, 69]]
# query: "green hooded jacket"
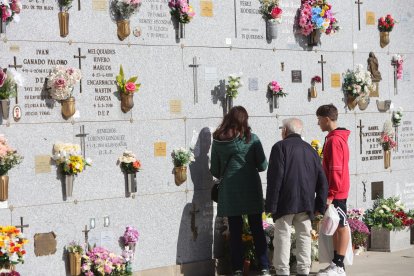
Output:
[[240, 191]]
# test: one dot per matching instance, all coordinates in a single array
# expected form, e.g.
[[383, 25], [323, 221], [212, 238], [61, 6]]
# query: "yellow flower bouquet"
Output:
[[12, 243], [68, 158]]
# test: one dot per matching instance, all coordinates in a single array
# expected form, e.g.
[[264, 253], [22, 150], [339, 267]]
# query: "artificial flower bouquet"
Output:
[[234, 83], [316, 79], [317, 15], [357, 82], [130, 239], [181, 157], [62, 81], [276, 89], [129, 163], [9, 157], [270, 10], [12, 243], [398, 61], [387, 137], [316, 144], [127, 88], [359, 232], [102, 262], [124, 9], [68, 158], [9, 11], [313, 91], [386, 23], [181, 11], [9, 80], [397, 117]]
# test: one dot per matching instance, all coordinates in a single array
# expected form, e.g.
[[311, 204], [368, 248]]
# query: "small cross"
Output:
[[86, 231], [360, 135], [79, 56], [82, 136], [15, 66], [358, 2], [22, 226], [322, 62], [194, 228], [195, 65]]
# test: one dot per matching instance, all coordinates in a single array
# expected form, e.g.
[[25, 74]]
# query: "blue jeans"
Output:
[[236, 243]]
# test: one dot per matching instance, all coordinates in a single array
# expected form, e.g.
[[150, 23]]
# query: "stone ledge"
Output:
[[203, 268]]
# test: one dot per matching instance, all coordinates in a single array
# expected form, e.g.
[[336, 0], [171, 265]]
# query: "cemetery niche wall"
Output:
[[182, 65]]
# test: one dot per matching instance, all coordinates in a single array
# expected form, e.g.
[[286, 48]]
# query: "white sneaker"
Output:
[[332, 270]]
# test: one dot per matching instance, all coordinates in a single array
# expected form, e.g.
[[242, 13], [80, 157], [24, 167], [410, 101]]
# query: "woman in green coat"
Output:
[[237, 157]]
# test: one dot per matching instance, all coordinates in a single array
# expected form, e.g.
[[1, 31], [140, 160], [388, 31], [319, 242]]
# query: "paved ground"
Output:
[[377, 264]]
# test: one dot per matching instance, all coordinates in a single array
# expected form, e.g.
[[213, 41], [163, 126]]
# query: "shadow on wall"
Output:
[[195, 238]]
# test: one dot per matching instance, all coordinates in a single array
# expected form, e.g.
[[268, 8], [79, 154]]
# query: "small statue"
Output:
[[373, 68]]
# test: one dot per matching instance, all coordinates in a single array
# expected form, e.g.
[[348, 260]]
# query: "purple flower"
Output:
[[131, 235], [3, 77]]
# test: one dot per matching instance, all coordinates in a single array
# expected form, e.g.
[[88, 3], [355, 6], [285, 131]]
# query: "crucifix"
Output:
[[22, 226], [194, 228], [322, 62], [395, 65], [15, 66], [79, 56], [360, 135], [195, 66], [358, 2], [235, 18], [86, 232], [364, 195], [82, 136], [79, 5], [17, 114]]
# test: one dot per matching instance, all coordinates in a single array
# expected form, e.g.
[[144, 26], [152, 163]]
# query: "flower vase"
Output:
[[131, 182], [314, 38], [313, 92], [5, 108], [387, 159], [275, 101], [271, 29], [123, 29], [69, 184], [246, 267], [127, 102], [2, 25], [351, 102], [179, 29], [63, 23], [131, 246], [384, 39], [75, 264], [229, 103], [4, 187], [180, 175], [363, 103], [68, 107], [7, 267]]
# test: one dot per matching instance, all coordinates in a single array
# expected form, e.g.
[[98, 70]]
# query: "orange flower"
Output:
[[136, 165]]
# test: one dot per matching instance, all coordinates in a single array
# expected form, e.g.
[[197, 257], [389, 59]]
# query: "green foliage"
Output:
[[8, 90]]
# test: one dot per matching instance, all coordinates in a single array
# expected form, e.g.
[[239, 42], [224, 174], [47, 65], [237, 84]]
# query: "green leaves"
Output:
[[121, 81]]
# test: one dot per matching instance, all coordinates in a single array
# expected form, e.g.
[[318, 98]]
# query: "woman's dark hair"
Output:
[[234, 123]]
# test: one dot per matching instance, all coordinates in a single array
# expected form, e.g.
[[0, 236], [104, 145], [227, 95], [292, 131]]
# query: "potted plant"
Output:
[[232, 89], [9, 11], [100, 261], [182, 13], [357, 85], [313, 91], [126, 89], [359, 229], [181, 157], [61, 83], [389, 225], [387, 142], [9, 81], [130, 238], [272, 14], [248, 245], [75, 252], [316, 17], [122, 11], [9, 158], [385, 26], [63, 15], [69, 161], [275, 91], [12, 249], [130, 166]]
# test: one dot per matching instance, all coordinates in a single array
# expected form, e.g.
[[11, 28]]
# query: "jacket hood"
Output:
[[340, 132]]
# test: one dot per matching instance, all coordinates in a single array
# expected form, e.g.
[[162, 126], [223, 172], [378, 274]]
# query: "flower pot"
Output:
[[131, 246], [383, 105], [63, 23], [69, 184], [123, 29], [2, 26], [229, 103], [5, 108], [75, 264], [275, 101], [179, 28], [389, 241], [313, 92], [68, 107], [246, 267], [384, 39], [127, 102], [4, 187], [271, 29], [131, 182], [351, 101], [412, 234], [180, 175], [363, 103], [314, 38], [387, 159]]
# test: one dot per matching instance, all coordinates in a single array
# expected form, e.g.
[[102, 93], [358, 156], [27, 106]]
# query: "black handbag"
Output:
[[215, 188]]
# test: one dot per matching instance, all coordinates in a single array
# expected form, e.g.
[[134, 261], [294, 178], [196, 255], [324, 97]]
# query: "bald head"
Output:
[[292, 126]]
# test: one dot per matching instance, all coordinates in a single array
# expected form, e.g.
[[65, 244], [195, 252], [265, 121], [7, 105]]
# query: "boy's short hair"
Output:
[[328, 110]]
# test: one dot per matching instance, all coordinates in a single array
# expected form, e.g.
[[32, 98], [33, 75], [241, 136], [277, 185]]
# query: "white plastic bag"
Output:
[[330, 221], [326, 249]]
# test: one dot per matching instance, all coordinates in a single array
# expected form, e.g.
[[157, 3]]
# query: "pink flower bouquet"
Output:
[[275, 88], [180, 9], [127, 86], [317, 15]]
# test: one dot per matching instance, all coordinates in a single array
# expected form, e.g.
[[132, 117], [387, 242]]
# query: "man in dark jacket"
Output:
[[294, 176]]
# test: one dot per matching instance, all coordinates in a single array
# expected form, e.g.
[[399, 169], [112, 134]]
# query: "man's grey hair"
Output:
[[293, 125]]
